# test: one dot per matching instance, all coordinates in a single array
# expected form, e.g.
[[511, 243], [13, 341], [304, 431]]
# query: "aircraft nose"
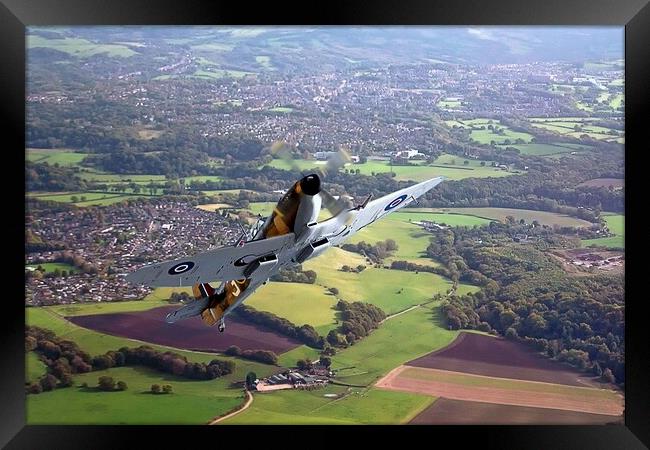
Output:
[[310, 184]]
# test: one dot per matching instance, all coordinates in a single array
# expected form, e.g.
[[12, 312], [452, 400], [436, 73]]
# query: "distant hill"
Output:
[[319, 48]]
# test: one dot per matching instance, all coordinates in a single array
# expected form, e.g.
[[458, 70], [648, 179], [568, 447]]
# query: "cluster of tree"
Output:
[[164, 389], [263, 356], [178, 297], [358, 319], [552, 188], [69, 257], [62, 358], [304, 333], [413, 267], [579, 320], [35, 244], [304, 364], [345, 268], [108, 384], [45, 177], [295, 275], [250, 379], [447, 246], [180, 162], [376, 253], [171, 362]]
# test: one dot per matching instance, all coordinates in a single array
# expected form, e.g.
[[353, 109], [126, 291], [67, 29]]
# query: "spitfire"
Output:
[[290, 234]]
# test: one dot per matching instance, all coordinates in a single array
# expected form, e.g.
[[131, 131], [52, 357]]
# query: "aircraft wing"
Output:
[[385, 205], [222, 264]]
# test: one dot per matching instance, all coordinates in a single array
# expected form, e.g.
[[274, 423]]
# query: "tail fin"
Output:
[[202, 290]]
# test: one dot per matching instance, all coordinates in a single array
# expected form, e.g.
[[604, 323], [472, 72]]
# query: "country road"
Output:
[[249, 401]]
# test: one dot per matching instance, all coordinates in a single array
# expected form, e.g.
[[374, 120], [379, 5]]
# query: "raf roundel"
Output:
[[395, 202], [181, 268]]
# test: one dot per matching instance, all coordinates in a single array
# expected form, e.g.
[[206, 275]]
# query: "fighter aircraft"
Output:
[[290, 235]]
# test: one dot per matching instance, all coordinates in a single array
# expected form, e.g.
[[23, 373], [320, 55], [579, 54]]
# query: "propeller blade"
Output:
[[335, 162], [282, 150], [333, 205]]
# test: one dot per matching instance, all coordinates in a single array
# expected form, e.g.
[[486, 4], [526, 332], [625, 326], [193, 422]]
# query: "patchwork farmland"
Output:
[[479, 369]]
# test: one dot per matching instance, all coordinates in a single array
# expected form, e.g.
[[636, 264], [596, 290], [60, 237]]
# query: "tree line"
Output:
[[263, 356], [64, 358], [295, 275], [304, 333]]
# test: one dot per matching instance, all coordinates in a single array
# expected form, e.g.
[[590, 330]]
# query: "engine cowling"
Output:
[[307, 214]]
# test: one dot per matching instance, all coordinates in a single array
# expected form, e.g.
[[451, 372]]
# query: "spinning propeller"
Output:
[[312, 182]]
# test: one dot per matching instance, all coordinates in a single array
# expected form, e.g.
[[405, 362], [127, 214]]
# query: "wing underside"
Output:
[[381, 207], [222, 264]]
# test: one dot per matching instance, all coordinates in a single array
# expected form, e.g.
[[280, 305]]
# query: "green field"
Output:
[[202, 178], [102, 177], [412, 241], [566, 127], [391, 290], [61, 157], [225, 191], [264, 61], [281, 109], [500, 214], [449, 103], [288, 359], [396, 341], [34, 367], [616, 225], [354, 406], [78, 47], [208, 47], [90, 197], [263, 208], [486, 136], [297, 302], [418, 172], [85, 309], [220, 73], [51, 267], [548, 149], [452, 220], [192, 402]]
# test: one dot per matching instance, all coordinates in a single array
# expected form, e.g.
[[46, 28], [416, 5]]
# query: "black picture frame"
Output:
[[15, 15]]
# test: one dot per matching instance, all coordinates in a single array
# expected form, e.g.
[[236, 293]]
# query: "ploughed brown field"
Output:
[[446, 411], [496, 357], [190, 334]]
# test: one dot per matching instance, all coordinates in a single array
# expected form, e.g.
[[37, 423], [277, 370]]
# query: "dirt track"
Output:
[[191, 334], [457, 412], [249, 401], [526, 393]]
